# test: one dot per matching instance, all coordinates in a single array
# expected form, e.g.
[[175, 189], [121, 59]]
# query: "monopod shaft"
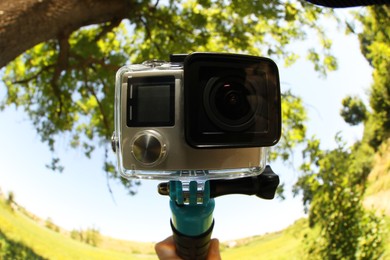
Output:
[[192, 219]]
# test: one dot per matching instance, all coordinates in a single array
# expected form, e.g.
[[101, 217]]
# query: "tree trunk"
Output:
[[25, 23]]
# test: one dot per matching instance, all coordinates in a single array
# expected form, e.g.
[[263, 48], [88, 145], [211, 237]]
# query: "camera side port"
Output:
[[148, 148]]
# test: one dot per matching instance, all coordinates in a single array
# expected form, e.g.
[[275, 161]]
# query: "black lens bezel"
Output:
[[229, 65]]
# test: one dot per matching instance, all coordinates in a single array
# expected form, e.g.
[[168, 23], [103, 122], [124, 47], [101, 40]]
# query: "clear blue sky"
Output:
[[79, 198]]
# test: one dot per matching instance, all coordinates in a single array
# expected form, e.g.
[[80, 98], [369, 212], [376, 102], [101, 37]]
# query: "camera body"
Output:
[[205, 116]]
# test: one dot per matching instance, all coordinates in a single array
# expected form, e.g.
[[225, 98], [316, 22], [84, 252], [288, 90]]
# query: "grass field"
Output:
[[378, 191], [39, 242], [280, 245], [24, 236], [18, 228], [34, 241]]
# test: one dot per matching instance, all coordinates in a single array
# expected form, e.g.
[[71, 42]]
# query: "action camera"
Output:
[[200, 116]]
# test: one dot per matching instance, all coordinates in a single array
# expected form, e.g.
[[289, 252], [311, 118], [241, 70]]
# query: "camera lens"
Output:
[[230, 103]]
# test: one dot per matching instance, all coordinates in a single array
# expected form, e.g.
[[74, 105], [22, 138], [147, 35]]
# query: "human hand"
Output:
[[166, 250]]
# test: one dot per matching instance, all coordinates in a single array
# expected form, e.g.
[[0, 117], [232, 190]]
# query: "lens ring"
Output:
[[230, 103]]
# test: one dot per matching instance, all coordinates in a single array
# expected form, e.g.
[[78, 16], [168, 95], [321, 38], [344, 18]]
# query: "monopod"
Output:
[[192, 205]]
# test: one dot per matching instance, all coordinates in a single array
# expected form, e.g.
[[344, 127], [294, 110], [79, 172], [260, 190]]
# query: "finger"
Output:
[[214, 253], [166, 249]]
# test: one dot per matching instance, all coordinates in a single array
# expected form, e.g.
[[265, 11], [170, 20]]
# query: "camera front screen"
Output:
[[151, 101]]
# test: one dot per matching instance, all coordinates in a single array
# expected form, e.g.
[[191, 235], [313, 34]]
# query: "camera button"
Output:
[[148, 148]]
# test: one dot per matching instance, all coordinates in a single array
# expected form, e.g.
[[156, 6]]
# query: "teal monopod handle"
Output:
[[192, 219], [192, 206]]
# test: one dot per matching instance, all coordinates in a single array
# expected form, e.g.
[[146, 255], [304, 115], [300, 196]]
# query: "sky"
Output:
[[79, 197]]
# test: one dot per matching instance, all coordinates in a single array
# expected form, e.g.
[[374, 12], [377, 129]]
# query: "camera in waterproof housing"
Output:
[[197, 117]]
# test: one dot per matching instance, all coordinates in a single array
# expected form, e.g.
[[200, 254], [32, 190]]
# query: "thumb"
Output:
[[214, 253]]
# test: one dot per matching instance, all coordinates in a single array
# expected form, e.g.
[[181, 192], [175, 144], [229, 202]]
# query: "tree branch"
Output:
[[27, 80], [149, 35], [100, 106], [25, 23], [62, 64], [108, 28]]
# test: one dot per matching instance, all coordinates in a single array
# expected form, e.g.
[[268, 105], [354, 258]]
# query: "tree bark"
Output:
[[25, 23]]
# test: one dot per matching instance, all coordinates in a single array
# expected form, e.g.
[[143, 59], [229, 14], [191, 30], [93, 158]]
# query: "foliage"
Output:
[[10, 198], [334, 182], [293, 127], [90, 236], [13, 250], [333, 185], [371, 244], [65, 85], [50, 225], [375, 46], [354, 111]]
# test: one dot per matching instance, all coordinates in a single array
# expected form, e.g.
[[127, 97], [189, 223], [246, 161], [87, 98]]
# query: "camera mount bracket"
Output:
[[187, 192], [192, 205], [192, 217]]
